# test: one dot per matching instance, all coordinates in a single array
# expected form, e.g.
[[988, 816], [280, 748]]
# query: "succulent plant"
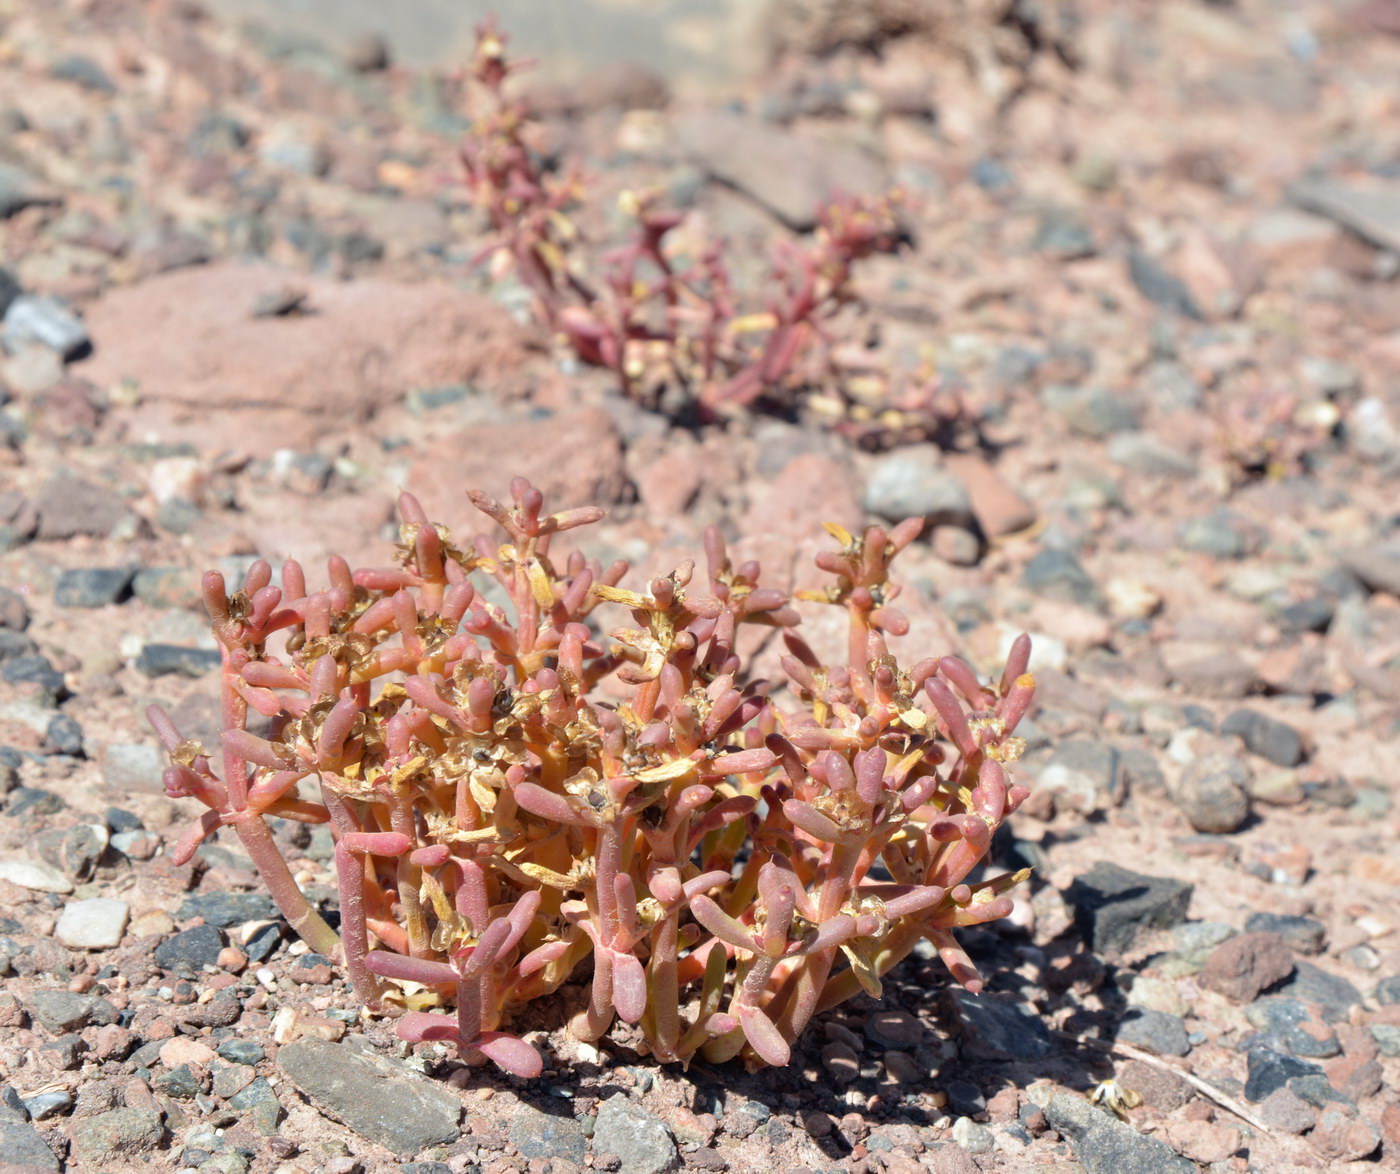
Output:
[[517, 799]]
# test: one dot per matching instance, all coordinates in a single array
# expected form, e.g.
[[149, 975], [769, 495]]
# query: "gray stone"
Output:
[[44, 1105], [1217, 534], [1269, 1071], [1097, 412], [256, 1092], [64, 1011], [226, 909], [179, 1082], [1213, 794], [1154, 1030], [378, 1098], [975, 1138], [93, 586], [1303, 935], [1085, 772], [190, 949], [912, 483], [1387, 1038], [1265, 736], [97, 924], [166, 587], [20, 190], [242, 1051], [1372, 211], [132, 766], [47, 322], [23, 1146], [64, 735], [159, 660], [1285, 1111], [116, 1136], [996, 1028], [1144, 453], [1105, 1145], [1162, 289], [627, 1131], [1113, 906], [1281, 1023], [537, 1134], [1062, 234], [82, 71], [1334, 994], [1058, 574], [34, 670], [1388, 991], [69, 507], [1378, 567]]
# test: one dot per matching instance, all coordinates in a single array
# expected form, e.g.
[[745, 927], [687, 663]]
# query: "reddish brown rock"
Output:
[[1340, 1137], [207, 370], [1246, 964], [998, 508]]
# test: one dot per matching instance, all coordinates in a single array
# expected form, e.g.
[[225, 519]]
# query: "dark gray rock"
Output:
[[93, 586], [21, 1145], [13, 644], [64, 735], [537, 1134], [1308, 615], [1334, 994], [378, 1098], [1269, 1071], [996, 1028], [1162, 289], [1156, 1031], [642, 1142], [1303, 935], [20, 190], [1281, 1028], [45, 1105], [1388, 991], [82, 71], [115, 1137], [45, 322], [1113, 906], [242, 1051], [1218, 534], [1265, 736], [65, 1011], [1058, 574], [256, 1092], [34, 670], [1062, 234], [912, 483], [179, 1082], [1105, 1145], [1317, 1090], [190, 949], [227, 909], [1098, 412], [159, 660]]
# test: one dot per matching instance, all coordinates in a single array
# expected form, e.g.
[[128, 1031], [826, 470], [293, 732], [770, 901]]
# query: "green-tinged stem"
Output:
[[308, 924]]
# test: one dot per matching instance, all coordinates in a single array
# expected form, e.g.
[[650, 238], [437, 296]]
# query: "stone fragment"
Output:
[[116, 1136], [36, 875], [191, 949], [911, 483], [1154, 1030], [640, 1141], [1113, 906], [1058, 574], [226, 909], [1269, 1071], [96, 924], [1213, 795], [1265, 736], [46, 322], [159, 660], [547, 1135], [22, 1147], [65, 1011], [998, 1029], [1164, 290], [998, 508], [1245, 965], [69, 507], [1105, 1145], [1286, 1112], [93, 586], [1341, 1137], [1303, 935], [380, 1099], [1372, 211], [1334, 994]]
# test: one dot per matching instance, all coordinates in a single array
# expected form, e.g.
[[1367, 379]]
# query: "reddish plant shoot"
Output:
[[516, 801]]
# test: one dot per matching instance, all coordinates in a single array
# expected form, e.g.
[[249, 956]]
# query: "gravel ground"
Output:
[[1156, 246]]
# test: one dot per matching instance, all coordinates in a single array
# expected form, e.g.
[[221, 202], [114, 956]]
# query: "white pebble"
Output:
[[97, 924], [36, 875]]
